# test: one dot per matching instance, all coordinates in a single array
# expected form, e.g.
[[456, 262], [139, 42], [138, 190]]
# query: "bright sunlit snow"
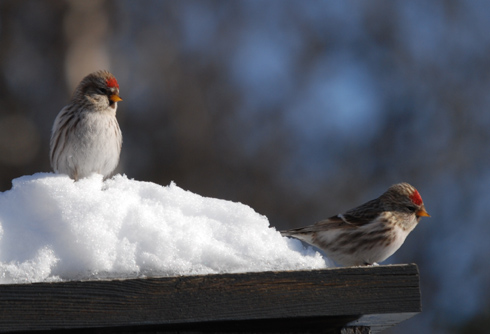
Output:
[[52, 228]]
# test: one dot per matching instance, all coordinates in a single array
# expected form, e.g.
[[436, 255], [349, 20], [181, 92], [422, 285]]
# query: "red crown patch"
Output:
[[416, 198], [112, 82]]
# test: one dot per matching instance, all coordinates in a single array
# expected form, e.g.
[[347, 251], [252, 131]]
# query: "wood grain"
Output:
[[296, 301]]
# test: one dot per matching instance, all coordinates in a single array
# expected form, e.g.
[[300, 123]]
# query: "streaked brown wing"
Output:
[[320, 226], [359, 216], [364, 214]]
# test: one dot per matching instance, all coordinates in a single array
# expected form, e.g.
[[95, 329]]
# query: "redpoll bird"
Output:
[[86, 137], [369, 233]]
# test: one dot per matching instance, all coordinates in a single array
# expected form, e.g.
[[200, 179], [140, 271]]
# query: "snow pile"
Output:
[[52, 228]]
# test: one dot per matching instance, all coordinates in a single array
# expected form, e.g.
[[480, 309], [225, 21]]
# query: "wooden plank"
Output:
[[355, 330], [293, 301]]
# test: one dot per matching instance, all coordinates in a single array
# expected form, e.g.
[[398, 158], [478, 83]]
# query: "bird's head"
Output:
[[99, 88], [405, 198]]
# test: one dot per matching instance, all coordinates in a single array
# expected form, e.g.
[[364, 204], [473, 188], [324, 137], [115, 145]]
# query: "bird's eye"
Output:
[[411, 208], [103, 91]]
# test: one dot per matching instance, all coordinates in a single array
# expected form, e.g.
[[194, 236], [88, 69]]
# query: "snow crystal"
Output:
[[52, 228]]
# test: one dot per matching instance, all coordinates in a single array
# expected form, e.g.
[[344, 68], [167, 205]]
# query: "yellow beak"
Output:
[[422, 213], [115, 98]]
